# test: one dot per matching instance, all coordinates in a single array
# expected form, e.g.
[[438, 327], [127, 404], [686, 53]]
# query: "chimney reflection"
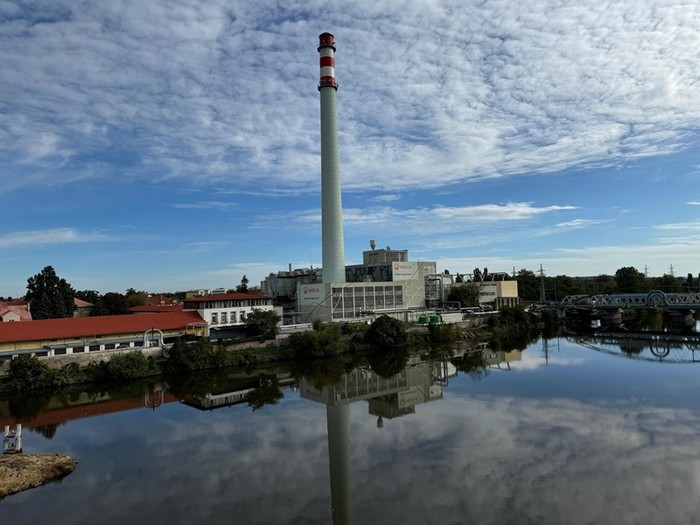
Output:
[[388, 398]]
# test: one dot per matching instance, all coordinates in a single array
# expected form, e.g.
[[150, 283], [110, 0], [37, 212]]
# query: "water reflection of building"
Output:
[[235, 391], [395, 396], [60, 409], [419, 382], [501, 359]]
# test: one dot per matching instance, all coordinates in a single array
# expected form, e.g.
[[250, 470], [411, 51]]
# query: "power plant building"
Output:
[[386, 282]]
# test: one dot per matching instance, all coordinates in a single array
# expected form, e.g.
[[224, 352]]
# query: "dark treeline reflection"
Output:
[[43, 412]]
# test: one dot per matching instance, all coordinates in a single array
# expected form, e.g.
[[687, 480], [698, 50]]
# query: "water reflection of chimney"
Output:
[[338, 421]]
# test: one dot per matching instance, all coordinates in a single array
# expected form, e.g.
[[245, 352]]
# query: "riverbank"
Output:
[[20, 472]]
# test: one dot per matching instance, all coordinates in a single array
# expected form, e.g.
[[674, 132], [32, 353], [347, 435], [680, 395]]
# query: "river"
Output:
[[562, 432]]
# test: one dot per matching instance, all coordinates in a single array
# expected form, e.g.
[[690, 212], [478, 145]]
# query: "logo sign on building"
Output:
[[310, 294], [404, 271]]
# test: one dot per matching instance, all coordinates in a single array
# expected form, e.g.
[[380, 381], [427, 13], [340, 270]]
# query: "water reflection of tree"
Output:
[[389, 362], [46, 431], [26, 409], [632, 346], [268, 393], [329, 371], [473, 363]]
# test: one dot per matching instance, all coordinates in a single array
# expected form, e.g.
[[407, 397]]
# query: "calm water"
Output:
[[559, 433]]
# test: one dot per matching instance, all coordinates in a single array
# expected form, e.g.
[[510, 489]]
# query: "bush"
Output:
[[129, 365], [324, 341], [28, 373], [193, 355], [386, 332], [70, 374], [443, 333]]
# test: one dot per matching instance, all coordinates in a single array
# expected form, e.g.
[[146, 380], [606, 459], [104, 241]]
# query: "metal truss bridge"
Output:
[[647, 347], [655, 299]]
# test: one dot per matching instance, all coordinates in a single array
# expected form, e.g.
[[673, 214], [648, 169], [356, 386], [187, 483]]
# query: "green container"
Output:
[[423, 319], [436, 319]]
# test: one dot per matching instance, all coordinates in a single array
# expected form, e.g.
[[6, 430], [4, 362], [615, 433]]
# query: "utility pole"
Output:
[[671, 270]]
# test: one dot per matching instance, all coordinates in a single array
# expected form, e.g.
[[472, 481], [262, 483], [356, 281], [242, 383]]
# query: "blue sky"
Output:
[[175, 145]]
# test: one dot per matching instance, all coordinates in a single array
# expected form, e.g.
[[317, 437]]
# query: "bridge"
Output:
[[655, 299], [659, 348]]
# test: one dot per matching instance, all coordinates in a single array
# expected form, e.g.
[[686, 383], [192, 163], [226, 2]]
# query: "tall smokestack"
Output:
[[331, 207]]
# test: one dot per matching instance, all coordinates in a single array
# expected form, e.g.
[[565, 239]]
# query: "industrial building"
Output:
[[385, 283]]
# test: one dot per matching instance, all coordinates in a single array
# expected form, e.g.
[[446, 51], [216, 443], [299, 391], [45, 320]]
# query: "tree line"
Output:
[[625, 280], [52, 297]]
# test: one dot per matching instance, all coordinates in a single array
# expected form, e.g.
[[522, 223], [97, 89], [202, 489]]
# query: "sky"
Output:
[[175, 145]]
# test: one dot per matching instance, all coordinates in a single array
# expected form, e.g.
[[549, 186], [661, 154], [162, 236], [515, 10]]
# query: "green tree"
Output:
[[667, 283], [528, 285], [134, 298], [50, 297], [565, 285], [604, 284], [28, 373], [386, 332], [630, 280], [114, 303], [324, 340], [243, 287], [466, 294], [90, 296], [263, 323]]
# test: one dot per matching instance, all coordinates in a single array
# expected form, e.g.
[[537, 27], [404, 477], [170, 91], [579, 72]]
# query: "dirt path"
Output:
[[23, 471]]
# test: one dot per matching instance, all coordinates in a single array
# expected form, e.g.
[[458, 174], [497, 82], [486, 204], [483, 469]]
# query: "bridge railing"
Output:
[[653, 299]]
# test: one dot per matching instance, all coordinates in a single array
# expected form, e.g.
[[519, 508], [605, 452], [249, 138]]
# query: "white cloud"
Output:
[[204, 205], [225, 93], [46, 237], [691, 226], [578, 223]]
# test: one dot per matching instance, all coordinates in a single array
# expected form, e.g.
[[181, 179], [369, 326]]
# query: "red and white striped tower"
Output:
[[331, 206], [337, 417]]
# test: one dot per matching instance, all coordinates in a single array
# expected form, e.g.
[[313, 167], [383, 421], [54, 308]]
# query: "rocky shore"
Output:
[[19, 472]]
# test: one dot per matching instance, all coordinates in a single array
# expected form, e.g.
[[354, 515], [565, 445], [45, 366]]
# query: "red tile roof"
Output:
[[152, 309], [86, 327], [20, 308], [161, 300], [226, 297], [79, 303]]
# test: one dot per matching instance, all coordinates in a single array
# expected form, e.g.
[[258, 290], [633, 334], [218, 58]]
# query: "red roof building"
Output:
[[227, 309], [161, 300], [14, 310], [83, 330]]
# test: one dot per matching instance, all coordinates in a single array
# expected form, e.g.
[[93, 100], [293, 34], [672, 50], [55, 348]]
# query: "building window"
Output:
[[224, 318], [242, 317], [233, 317], [215, 318]]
